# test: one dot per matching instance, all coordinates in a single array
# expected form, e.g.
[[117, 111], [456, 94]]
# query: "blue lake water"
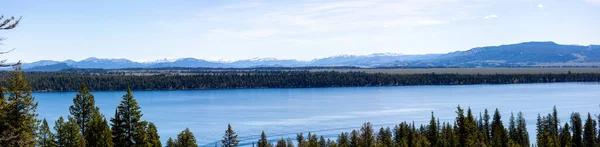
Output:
[[328, 111]]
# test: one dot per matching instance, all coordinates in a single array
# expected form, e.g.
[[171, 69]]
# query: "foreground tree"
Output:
[[127, 127], [263, 141], [18, 121], [152, 135], [577, 130], [99, 133], [68, 133], [589, 132], [83, 108], [186, 139], [45, 137], [499, 135], [366, 135], [230, 138]]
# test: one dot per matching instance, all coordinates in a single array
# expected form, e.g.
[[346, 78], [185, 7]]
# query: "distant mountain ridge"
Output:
[[521, 54]]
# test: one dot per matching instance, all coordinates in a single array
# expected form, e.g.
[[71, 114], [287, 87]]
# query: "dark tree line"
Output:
[[64, 81]]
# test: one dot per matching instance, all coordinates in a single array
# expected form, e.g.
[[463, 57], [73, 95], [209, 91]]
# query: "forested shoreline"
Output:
[[65, 81], [86, 126]]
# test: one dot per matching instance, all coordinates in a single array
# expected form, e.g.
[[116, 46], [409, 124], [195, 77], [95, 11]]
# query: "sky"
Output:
[[147, 30]]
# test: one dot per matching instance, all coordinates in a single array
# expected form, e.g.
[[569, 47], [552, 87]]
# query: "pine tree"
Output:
[[343, 140], [186, 139], [19, 112], [322, 141], [68, 133], [577, 130], [301, 140], [152, 134], [486, 126], [589, 135], [83, 108], [289, 142], [128, 123], [99, 133], [45, 137], [565, 136], [354, 139], [522, 134], [433, 132], [230, 138], [313, 141], [281, 143], [366, 135], [499, 135], [171, 142], [263, 141]]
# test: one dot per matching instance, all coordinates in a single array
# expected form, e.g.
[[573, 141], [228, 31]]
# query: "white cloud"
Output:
[[540, 6], [490, 17]]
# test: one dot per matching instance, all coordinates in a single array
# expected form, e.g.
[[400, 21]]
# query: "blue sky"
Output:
[[146, 30]]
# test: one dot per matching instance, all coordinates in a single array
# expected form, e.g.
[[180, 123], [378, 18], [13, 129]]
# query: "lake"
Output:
[[329, 111]]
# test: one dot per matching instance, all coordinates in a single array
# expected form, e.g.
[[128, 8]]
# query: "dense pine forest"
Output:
[[68, 81], [86, 126]]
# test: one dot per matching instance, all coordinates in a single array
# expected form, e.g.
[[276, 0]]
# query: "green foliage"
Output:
[[366, 135], [65, 81], [18, 112], [281, 143], [99, 133], [384, 138], [184, 139], [127, 127], [83, 108], [68, 133], [565, 136], [263, 141], [45, 137], [499, 134], [354, 139], [152, 135], [589, 132], [230, 138], [343, 139], [577, 129]]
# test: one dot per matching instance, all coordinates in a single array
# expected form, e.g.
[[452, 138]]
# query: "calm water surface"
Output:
[[328, 111]]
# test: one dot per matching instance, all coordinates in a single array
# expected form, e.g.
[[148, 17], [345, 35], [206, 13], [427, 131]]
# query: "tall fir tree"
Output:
[[186, 139], [486, 126], [128, 128], [433, 131], [19, 123], [354, 139], [230, 138], [343, 139], [366, 135], [289, 142], [589, 132], [522, 134], [83, 108], [499, 135], [565, 136], [577, 129], [68, 133], [45, 137], [152, 135], [322, 141], [263, 141], [171, 142], [301, 140], [99, 133], [281, 143]]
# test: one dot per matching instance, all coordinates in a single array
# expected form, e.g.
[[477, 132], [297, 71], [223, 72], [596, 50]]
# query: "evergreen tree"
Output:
[[68, 133], [366, 135], [263, 141], [565, 136], [577, 130], [313, 141], [128, 128], [185, 139], [486, 126], [99, 133], [281, 143], [289, 142], [152, 134], [118, 131], [589, 133], [354, 139], [522, 134], [322, 141], [499, 135], [230, 138], [433, 132], [171, 142], [19, 123], [343, 140], [301, 140], [45, 137], [83, 108]]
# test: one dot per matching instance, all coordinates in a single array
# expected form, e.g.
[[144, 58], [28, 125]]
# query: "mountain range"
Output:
[[525, 54]]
